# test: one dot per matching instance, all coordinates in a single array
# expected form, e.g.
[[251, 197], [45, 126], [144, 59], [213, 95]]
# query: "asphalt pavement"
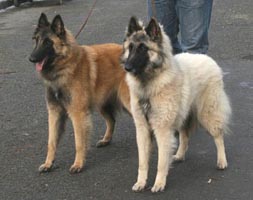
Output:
[[110, 172]]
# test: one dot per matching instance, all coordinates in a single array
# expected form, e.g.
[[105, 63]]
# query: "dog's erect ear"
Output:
[[57, 26], [154, 31], [43, 22], [133, 26]]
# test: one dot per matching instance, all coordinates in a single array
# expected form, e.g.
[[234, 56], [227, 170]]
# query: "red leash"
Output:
[[86, 19]]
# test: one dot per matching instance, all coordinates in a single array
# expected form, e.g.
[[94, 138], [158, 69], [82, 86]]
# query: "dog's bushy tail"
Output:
[[226, 111]]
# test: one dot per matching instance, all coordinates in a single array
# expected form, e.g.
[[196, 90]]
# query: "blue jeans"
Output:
[[185, 21]]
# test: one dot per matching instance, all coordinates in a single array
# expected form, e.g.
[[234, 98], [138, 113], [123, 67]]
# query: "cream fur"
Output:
[[186, 83]]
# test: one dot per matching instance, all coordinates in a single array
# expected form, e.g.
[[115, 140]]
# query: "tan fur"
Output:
[[93, 78]]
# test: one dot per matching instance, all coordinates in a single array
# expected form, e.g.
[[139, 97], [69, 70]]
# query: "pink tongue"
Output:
[[39, 66]]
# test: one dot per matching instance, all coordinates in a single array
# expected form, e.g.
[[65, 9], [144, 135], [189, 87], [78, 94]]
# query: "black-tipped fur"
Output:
[[58, 26], [154, 31], [133, 26], [43, 21]]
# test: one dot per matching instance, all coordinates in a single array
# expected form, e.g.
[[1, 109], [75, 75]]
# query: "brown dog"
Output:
[[77, 79]]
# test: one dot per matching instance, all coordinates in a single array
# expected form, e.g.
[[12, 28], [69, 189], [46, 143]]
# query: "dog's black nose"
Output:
[[32, 59], [128, 67]]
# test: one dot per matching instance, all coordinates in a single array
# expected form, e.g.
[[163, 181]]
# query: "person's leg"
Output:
[[165, 12], [194, 20]]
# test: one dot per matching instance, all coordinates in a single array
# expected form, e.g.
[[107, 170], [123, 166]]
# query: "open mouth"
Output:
[[39, 65]]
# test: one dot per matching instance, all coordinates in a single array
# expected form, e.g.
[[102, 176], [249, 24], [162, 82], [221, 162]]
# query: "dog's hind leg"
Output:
[[108, 113], [217, 132], [183, 145], [184, 134], [221, 155], [214, 115], [213, 124]]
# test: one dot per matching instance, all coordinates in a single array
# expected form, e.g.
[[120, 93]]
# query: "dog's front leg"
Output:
[[56, 123], [143, 137], [144, 145], [165, 142], [81, 121]]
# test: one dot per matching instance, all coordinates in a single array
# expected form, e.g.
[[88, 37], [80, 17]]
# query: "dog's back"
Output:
[[106, 75], [199, 69], [204, 79]]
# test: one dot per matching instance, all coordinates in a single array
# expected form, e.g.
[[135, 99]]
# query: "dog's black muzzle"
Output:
[[33, 59], [38, 55], [128, 67]]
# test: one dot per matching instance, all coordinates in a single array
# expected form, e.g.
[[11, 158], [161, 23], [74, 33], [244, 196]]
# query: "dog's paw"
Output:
[[45, 168], [158, 187], [102, 143], [138, 186], [222, 164], [75, 169], [177, 158]]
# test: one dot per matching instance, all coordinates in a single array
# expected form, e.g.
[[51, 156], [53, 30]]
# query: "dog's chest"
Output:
[[145, 107], [58, 96]]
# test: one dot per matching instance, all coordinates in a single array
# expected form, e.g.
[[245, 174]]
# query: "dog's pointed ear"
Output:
[[153, 30], [133, 26], [43, 21], [57, 26]]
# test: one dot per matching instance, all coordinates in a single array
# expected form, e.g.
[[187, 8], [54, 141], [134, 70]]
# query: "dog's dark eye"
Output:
[[47, 42], [131, 46], [142, 47]]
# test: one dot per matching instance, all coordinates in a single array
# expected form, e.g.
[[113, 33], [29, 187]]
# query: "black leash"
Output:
[[86, 19]]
